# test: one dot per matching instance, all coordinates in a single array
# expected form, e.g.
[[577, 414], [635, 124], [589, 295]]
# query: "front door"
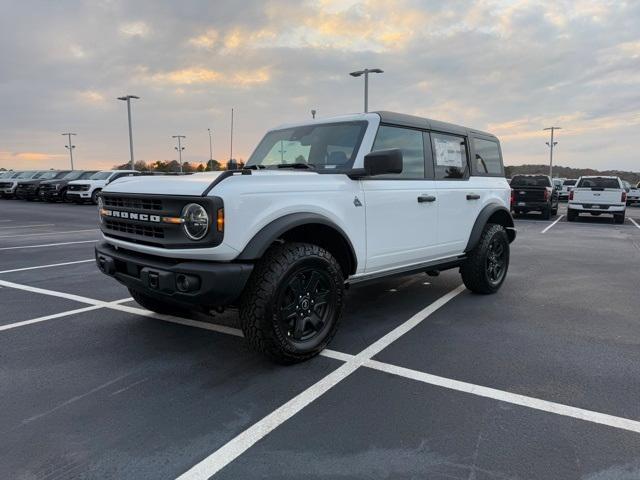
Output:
[[401, 209]]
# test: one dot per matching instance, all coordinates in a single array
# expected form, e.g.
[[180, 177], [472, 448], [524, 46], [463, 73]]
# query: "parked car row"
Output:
[[595, 195], [78, 186]]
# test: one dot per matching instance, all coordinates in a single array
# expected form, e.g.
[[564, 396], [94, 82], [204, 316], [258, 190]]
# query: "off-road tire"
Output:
[[619, 218], [158, 306], [474, 269], [259, 315]]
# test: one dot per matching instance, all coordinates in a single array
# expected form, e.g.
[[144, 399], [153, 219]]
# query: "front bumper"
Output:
[[209, 284], [78, 195]]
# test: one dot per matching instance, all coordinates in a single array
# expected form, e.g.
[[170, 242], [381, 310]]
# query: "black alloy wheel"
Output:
[[496, 262], [306, 304]]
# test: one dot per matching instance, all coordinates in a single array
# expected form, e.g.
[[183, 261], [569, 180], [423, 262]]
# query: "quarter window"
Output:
[[449, 156], [412, 146], [487, 158]]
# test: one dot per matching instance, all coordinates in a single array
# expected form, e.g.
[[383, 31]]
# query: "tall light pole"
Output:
[[231, 146], [70, 147], [179, 148], [210, 145], [551, 144], [366, 73], [127, 98]]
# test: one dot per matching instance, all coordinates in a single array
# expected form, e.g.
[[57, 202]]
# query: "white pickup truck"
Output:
[[598, 195], [633, 193]]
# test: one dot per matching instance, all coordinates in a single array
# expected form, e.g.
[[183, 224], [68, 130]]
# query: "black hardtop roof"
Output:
[[405, 120]]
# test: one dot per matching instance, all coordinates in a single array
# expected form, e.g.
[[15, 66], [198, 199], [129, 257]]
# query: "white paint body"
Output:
[[609, 197], [94, 185], [390, 229]]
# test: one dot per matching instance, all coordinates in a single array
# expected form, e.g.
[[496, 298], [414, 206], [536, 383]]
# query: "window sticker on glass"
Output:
[[448, 153]]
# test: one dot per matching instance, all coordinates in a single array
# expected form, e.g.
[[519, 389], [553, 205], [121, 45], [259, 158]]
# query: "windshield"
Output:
[[86, 175], [327, 147], [101, 175], [532, 181], [73, 175], [569, 182], [46, 175], [598, 182]]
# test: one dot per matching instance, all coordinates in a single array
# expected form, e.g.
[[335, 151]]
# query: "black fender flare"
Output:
[[483, 218], [262, 240]]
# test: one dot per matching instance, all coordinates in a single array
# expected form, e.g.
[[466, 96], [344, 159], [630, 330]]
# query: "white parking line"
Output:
[[47, 245], [238, 445], [29, 226], [59, 315], [634, 222], [49, 233], [557, 220], [513, 398], [53, 293], [47, 266]]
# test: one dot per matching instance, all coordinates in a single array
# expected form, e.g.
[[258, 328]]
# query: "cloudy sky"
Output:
[[509, 67]]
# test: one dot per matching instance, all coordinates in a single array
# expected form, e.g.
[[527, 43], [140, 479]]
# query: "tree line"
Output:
[[174, 166]]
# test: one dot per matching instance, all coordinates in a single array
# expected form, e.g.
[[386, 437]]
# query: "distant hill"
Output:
[[568, 172]]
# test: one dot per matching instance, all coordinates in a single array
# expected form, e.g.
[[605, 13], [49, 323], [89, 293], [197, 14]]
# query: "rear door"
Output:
[[401, 209], [460, 196]]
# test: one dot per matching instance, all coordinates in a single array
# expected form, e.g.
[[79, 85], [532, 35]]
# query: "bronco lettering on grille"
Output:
[[143, 217]]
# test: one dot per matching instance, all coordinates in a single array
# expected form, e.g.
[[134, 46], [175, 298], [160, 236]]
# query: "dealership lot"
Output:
[[423, 380]]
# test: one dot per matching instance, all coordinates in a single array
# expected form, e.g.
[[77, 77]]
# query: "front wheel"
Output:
[[94, 197], [486, 266], [292, 304]]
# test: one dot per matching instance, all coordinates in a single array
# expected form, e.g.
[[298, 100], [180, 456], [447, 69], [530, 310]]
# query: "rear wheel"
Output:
[[486, 266], [619, 218], [571, 215], [546, 213], [292, 305]]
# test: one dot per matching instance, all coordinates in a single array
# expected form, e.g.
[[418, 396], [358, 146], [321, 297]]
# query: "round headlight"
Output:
[[196, 221]]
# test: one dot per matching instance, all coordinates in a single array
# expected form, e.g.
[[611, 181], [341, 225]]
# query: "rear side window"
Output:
[[569, 183], [487, 160], [412, 146], [598, 182], [532, 181], [449, 156]]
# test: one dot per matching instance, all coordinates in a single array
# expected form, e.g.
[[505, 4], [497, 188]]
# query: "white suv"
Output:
[[319, 206], [598, 195], [80, 191]]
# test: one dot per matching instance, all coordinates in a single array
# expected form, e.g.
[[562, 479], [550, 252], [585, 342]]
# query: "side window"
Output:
[[487, 159], [450, 156], [412, 146]]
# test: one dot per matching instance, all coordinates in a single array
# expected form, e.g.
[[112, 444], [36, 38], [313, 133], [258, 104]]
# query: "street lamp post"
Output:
[[366, 73], [551, 144], [210, 145], [127, 98], [70, 147], [179, 148]]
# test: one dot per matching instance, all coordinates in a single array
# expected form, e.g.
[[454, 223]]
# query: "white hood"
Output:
[[164, 185]]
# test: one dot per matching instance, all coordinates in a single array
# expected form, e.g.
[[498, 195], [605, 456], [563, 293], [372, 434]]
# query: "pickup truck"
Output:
[[598, 195], [633, 193], [534, 193], [567, 186]]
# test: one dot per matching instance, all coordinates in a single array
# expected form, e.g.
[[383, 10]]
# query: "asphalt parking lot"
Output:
[[423, 380]]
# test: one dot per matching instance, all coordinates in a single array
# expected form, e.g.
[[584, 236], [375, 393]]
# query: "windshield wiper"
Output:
[[253, 167], [297, 165]]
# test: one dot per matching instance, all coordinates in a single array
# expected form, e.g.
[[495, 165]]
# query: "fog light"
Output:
[[187, 283]]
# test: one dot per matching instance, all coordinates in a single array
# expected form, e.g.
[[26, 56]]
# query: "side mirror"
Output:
[[383, 162]]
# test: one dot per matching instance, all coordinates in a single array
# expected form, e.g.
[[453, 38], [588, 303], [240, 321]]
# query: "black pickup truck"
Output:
[[531, 193]]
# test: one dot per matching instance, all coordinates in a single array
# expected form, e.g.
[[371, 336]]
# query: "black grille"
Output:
[[47, 187], [6, 185], [133, 228], [133, 203], [78, 188]]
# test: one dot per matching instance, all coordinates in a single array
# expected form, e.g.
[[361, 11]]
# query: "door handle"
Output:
[[473, 196], [426, 198]]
